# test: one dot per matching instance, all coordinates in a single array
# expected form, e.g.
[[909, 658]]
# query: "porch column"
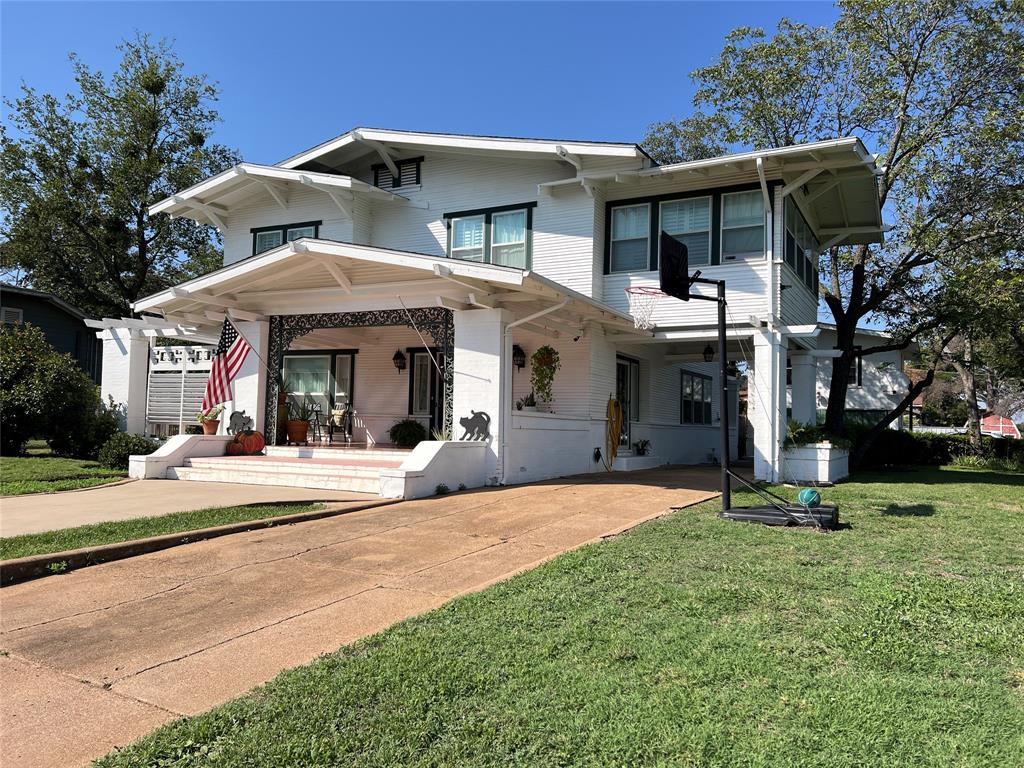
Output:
[[805, 394], [250, 386], [126, 375], [766, 403], [483, 380]]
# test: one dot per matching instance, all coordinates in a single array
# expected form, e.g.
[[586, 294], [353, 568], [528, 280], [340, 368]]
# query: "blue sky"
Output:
[[294, 74]]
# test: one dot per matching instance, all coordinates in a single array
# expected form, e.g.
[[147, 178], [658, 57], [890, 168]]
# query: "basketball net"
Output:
[[642, 301]]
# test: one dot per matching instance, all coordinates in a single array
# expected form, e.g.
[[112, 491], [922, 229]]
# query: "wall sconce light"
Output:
[[399, 361], [518, 357], [709, 354]]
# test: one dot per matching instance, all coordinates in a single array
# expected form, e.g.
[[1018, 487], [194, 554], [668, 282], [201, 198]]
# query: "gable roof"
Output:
[[425, 140], [43, 295]]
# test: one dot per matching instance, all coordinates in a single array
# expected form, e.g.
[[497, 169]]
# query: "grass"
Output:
[[690, 641], [46, 474], [140, 527]]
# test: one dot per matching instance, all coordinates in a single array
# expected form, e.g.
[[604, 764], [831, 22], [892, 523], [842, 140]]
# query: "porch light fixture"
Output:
[[518, 357], [399, 361], [709, 354]]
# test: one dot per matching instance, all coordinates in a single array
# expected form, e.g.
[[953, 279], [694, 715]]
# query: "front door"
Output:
[[426, 388], [627, 386]]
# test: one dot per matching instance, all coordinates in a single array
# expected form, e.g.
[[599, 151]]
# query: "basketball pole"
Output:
[[723, 419]]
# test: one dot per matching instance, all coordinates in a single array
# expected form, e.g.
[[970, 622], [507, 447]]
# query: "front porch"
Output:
[[384, 336]]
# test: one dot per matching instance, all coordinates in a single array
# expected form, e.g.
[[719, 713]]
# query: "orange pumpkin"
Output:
[[252, 442], [234, 448]]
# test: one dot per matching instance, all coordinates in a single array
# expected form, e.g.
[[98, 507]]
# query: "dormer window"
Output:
[[408, 174]]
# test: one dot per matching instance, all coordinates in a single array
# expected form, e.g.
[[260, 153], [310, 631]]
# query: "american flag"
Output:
[[227, 360]]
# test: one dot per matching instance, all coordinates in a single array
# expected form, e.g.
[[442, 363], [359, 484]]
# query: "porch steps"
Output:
[[336, 473]]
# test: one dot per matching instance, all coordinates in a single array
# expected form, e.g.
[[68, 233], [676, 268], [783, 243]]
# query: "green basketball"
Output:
[[809, 497]]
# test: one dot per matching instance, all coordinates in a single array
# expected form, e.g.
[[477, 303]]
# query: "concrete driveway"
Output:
[[98, 657], [38, 512]]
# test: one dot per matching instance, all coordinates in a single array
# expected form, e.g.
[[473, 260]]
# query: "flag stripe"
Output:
[[231, 352]]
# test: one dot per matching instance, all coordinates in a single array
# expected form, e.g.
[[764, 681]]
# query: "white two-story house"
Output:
[[407, 273]]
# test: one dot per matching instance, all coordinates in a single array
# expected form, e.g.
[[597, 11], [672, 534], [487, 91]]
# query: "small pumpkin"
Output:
[[234, 448], [251, 441]]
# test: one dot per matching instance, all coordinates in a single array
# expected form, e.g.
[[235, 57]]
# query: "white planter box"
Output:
[[815, 463]]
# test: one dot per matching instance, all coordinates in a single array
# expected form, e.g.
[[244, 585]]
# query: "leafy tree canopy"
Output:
[[78, 174]]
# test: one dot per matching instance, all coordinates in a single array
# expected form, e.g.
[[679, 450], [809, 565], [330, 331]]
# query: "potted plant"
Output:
[[407, 433], [544, 363], [642, 447], [527, 403], [298, 421], [210, 419]]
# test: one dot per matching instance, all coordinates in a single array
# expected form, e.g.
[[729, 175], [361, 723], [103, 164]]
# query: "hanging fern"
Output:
[[544, 363]]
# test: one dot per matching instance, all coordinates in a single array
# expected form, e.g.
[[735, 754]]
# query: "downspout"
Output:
[[504, 393]]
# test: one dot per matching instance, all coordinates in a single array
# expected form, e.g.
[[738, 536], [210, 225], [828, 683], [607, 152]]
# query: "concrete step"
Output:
[[333, 481], [285, 465], [349, 452]]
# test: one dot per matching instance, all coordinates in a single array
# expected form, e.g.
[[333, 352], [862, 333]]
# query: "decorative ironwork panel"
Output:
[[435, 322]]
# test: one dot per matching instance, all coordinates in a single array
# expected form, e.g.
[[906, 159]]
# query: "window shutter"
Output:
[[409, 173], [10, 315]]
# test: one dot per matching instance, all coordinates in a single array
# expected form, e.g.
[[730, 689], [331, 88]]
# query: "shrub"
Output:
[[83, 438], [115, 452], [43, 393], [407, 433], [895, 448]]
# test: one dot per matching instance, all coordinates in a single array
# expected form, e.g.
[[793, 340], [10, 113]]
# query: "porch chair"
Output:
[[315, 409]]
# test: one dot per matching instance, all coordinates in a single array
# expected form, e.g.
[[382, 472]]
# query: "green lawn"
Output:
[[46, 474], [690, 641], [139, 528]]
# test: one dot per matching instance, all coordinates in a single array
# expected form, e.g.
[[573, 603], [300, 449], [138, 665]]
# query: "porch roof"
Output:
[[211, 200], [312, 275]]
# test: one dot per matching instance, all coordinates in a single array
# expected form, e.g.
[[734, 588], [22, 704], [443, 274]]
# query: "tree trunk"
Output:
[[965, 370], [835, 422]]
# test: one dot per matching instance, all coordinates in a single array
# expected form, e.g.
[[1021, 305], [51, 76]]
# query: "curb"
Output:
[[122, 481], [34, 566]]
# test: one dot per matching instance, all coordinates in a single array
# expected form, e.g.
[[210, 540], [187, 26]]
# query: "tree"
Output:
[[696, 137], [936, 86], [78, 175], [43, 393]]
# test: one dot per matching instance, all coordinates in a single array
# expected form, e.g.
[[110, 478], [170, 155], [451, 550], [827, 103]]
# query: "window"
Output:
[[266, 238], [10, 316], [695, 398], [801, 247], [421, 370], [856, 375], [689, 222], [742, 226], [501, 236], [468, 238], [630, 242], [508, 239], [408, 174]]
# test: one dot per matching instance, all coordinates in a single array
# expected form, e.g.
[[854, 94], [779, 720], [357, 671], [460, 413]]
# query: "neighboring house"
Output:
[[999, 426], [356, 265], [63, 324], [876, 383]]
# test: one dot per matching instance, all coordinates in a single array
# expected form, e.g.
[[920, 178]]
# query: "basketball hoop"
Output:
[[642, 301]]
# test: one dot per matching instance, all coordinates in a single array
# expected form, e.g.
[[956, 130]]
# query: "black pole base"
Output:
[[822, 516]]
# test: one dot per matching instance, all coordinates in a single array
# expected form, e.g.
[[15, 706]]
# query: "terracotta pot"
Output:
[[282, 398], [297, 430], [210, 427]]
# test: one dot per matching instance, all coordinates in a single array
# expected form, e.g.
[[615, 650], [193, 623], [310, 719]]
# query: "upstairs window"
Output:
[[742, 226], [501, 236], [689, 222], [408, 174], [630, 238], [267, 238], [801, 248]]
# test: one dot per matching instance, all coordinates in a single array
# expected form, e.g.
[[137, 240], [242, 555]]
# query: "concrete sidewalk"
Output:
[[99, 657], [39, 512]]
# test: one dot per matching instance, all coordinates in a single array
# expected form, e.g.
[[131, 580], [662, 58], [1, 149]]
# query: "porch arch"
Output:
[[436, 323]]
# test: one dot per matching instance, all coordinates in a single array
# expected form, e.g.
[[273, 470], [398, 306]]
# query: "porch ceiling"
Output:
[[309, 276]]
